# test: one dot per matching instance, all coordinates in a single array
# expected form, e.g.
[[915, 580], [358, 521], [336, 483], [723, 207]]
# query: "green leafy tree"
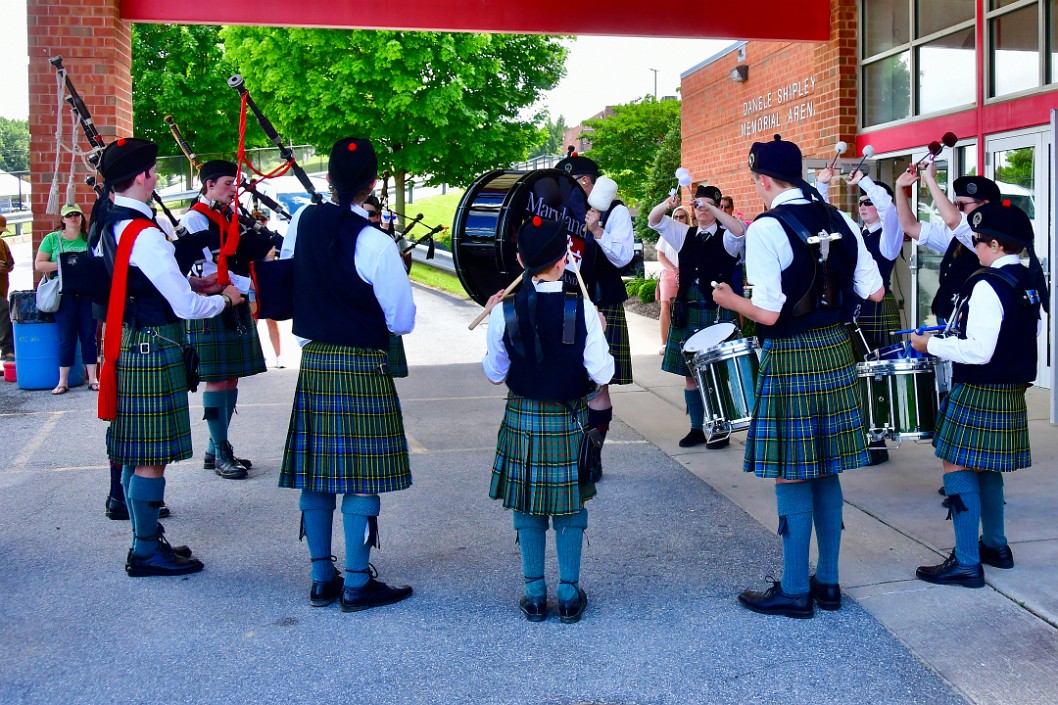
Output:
[[660, 180], [552, 133], [14, 144], [626, 143], [445, 107]]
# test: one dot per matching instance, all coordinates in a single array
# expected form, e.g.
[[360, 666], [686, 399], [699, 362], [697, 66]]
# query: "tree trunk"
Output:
[[399, 178]]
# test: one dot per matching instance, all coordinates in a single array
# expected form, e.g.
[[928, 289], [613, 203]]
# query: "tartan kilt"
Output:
[[617, 339], [535, 470], [807, 421], [224, 353], [878, 320], [398, 361], [984, 427], [346, 431], [698, 318], [152, 426]]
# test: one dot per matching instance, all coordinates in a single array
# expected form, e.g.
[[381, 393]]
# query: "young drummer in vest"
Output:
[[152, 427], [983, 430], [610, 246], [225, 353], [708, 252], [548, 345], [807, 425], [346, 432]]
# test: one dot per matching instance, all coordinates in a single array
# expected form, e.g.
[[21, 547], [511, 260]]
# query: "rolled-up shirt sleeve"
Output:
[[617, 241]]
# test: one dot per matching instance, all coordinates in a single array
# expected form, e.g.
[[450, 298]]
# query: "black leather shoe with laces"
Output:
[[570, 612], [325, 592], [827, 596], [775, 601], [998, 557], [210, 461], [162, 562], [372, 594], [695, 438], [227, 465], [951, 573], [534, 608]]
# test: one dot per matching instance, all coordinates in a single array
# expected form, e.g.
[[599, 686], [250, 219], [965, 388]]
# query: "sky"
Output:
[[600, 71]]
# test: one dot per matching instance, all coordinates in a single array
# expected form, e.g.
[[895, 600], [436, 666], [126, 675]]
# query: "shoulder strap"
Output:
[[108, 376], [215, 217], [790, 221]]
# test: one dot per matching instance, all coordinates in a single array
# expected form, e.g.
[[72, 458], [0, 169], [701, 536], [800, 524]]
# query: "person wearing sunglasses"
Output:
[[708, 252], [954, 239], [983, 429], [669, 259]]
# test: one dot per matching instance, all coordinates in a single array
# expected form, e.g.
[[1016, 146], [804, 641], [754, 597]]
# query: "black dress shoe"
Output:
[[325, 592], [998, 557], [117, 510], [210, 462], [534, 608], [718, 442], [184, 551], [827, 596], [694, 438], [570, 612], [951, 573], [775, 601], [373, 594], [164, 561], [877, 456]]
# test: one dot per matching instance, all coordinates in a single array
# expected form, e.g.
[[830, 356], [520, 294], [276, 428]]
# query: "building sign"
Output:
[[788, 104]]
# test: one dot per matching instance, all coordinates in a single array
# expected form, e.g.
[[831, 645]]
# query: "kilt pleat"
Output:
[[224, 353], [398, 361], [535, 470], [152, 426], [807, 420], [617, 339], [879, 320], [346, 432], [984, 427], [698, 318]]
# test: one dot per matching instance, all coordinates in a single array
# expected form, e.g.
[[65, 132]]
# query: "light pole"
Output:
[[655, 82]]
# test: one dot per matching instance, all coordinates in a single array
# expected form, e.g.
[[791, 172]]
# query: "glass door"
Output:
[[1018, 164]]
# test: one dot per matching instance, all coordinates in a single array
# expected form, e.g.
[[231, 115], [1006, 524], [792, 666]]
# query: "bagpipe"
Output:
[[405, 243]]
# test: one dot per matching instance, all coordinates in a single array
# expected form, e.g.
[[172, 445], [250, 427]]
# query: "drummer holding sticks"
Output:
[[707, 252], [804, 258], [983, 429]]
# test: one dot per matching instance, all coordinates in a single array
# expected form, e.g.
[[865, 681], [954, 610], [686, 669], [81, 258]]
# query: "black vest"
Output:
[[873, 243], [601, 276], [558, 373], [144, 304], [1014, 359], [955, 268], [803, 281], [332, 303], [704, 261]]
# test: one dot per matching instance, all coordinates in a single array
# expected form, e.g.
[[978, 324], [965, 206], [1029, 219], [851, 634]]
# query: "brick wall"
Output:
[[96, 48], [805, 92]]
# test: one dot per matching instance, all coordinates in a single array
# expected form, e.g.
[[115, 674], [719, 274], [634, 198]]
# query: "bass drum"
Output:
[[485, 231]]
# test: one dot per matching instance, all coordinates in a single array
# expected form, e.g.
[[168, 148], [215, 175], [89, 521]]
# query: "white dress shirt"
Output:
[[768, 253], [938, 237], [892, 239], [195, 222], [617, 241], [597, 358], [675, 234]]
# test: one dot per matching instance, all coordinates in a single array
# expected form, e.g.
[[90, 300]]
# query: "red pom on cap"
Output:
[[1006, 203], [352, 146], [573, 154], [121, 141], [537, 221]]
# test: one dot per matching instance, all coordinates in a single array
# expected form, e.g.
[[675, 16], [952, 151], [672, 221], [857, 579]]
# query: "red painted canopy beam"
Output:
[[806, 20]]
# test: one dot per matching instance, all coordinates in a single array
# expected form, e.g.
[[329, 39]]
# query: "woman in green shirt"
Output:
[[75, 312]]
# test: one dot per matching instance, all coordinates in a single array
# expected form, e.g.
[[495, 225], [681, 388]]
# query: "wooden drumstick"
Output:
[[506, 293], [580, 279]]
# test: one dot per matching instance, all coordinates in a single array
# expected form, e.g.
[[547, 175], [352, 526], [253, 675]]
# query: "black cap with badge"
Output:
[[541, 243], [127, 157], [978, 188]]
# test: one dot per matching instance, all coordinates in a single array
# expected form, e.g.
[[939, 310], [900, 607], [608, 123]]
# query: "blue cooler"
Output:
[[37, 345]]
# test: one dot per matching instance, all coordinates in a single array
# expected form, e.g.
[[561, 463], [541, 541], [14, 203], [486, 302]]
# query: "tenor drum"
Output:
[[485, 231], [725, 368], [901, 397]]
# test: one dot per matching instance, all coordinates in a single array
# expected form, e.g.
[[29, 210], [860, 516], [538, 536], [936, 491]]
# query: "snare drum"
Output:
[[901, 397], [725, 368]]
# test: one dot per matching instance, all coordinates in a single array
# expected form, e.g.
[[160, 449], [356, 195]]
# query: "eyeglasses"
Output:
[[963, 205], [728, 207], [680, 217], [866, 202], [72, 215]]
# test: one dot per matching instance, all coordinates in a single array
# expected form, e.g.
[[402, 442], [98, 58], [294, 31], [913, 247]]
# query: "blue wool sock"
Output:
[[569, 539], [144, 498], [358, 521], [992, 519], [827, 502], [317, 512], [215, 412], [127, 472], [231, 398], [532, 538], [695, 407], [964, 495], [793, 502]]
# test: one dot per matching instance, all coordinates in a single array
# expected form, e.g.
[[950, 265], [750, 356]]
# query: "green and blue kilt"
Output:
[[535, 471], [346, 430], [398, 361], [879, 320], [807, 421], [617, 339], [984, 427], [152, 425], [224, 353], [698, 318]]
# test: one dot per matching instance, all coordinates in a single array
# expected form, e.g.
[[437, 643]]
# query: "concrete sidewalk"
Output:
[[995, 645]]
